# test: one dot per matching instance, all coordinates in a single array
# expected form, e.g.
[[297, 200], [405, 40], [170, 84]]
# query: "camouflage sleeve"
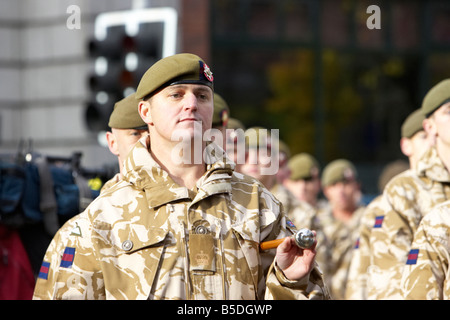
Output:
[[426, 274], [278, 287], [69, 269], [390, 239], [356, 288]]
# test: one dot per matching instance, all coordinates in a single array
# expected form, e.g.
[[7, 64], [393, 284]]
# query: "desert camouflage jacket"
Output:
[[148, 238], [427, 274], [406, 199], [341, 238], [356, 287]]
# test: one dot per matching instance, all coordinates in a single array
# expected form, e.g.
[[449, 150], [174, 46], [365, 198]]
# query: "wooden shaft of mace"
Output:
[[271, 244]]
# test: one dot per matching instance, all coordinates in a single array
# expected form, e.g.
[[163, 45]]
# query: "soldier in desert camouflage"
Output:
[[178, 230], [409, 197], [413, 144], [427, 275]]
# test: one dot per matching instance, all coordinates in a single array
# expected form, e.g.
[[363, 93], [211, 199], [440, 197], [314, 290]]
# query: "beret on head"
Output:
[[337, 171], [303, 166], [177, 69], [412, 124], [221, 111], [125, 114], [436, 97]]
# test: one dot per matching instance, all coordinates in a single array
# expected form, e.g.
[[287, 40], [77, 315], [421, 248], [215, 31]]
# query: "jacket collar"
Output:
[[142, 171], [431, 166]]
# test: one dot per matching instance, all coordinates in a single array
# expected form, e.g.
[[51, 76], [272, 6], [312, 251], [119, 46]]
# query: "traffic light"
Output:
[[119, 61]]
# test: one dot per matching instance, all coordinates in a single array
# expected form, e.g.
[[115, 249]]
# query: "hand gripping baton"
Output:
[[304, 238]]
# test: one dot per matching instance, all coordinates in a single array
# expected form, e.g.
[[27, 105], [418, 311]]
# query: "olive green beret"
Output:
[[436, 97], [303, 166], [177, 69], [337, 171], [125, 114], [221, 111], [412, 124]]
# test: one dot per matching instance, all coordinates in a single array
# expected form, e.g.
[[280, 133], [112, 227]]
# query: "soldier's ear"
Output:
[[406, 147], [144, 112], [429, 126], [112, 143]]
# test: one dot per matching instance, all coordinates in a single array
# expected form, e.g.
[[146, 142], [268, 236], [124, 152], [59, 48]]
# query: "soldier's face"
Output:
[[343, 195], [440, 122], [180, 108]]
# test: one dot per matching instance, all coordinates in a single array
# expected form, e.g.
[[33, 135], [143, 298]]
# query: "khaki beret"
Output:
[[391, 170], [177, 69], [436, 97], [234, 123], [258, 137], [221, 111], [337, 171], [412, 124], [303, 166], [125, 114]]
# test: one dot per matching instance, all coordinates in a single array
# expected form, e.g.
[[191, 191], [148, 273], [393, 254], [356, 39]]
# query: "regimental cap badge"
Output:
[[207, 72]]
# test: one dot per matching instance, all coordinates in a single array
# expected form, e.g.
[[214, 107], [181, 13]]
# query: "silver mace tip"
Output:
[[304, 238]]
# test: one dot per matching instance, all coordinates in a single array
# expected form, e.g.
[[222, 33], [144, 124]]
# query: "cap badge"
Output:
[[208, 73]]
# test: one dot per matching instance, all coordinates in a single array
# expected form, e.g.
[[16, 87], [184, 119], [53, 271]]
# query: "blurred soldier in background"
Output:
[[340, 221], [413, 144], [127, 127], [409, 197], [304, 178], [220, 119], [235, 142]]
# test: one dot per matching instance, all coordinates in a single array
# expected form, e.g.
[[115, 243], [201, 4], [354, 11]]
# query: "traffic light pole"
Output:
[[131, 20]]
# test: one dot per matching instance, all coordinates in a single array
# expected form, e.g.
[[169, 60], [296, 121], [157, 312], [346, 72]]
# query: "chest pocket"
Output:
[[131, 272]]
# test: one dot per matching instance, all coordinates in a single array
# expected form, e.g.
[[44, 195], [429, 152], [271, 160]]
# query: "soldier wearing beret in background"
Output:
[[413, 144], [127, 127], [409, 197], [339, 221], [304, 178], [178, 230]]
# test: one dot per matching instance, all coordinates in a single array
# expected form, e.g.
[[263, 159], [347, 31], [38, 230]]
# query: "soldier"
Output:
[[261, 154], [304, 178], [178, 230], [220, 119], [408, 197], [235, 142], [426, 275], [413, 143], [339, 221], [127, 127]]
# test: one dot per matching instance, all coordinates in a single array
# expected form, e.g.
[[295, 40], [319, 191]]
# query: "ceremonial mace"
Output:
[[304, 238]]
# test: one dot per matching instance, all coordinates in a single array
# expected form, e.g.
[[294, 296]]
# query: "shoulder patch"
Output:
[[43, 271], [67, 258], [378, 222], [412, 256]]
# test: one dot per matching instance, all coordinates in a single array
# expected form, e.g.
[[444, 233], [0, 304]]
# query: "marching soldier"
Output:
[[339, 221], [127, 127], [426, 275], [178, 230], [408, 198], [413, 144]]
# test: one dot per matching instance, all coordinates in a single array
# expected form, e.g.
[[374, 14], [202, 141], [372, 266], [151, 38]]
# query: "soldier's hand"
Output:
[[295, 262]]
